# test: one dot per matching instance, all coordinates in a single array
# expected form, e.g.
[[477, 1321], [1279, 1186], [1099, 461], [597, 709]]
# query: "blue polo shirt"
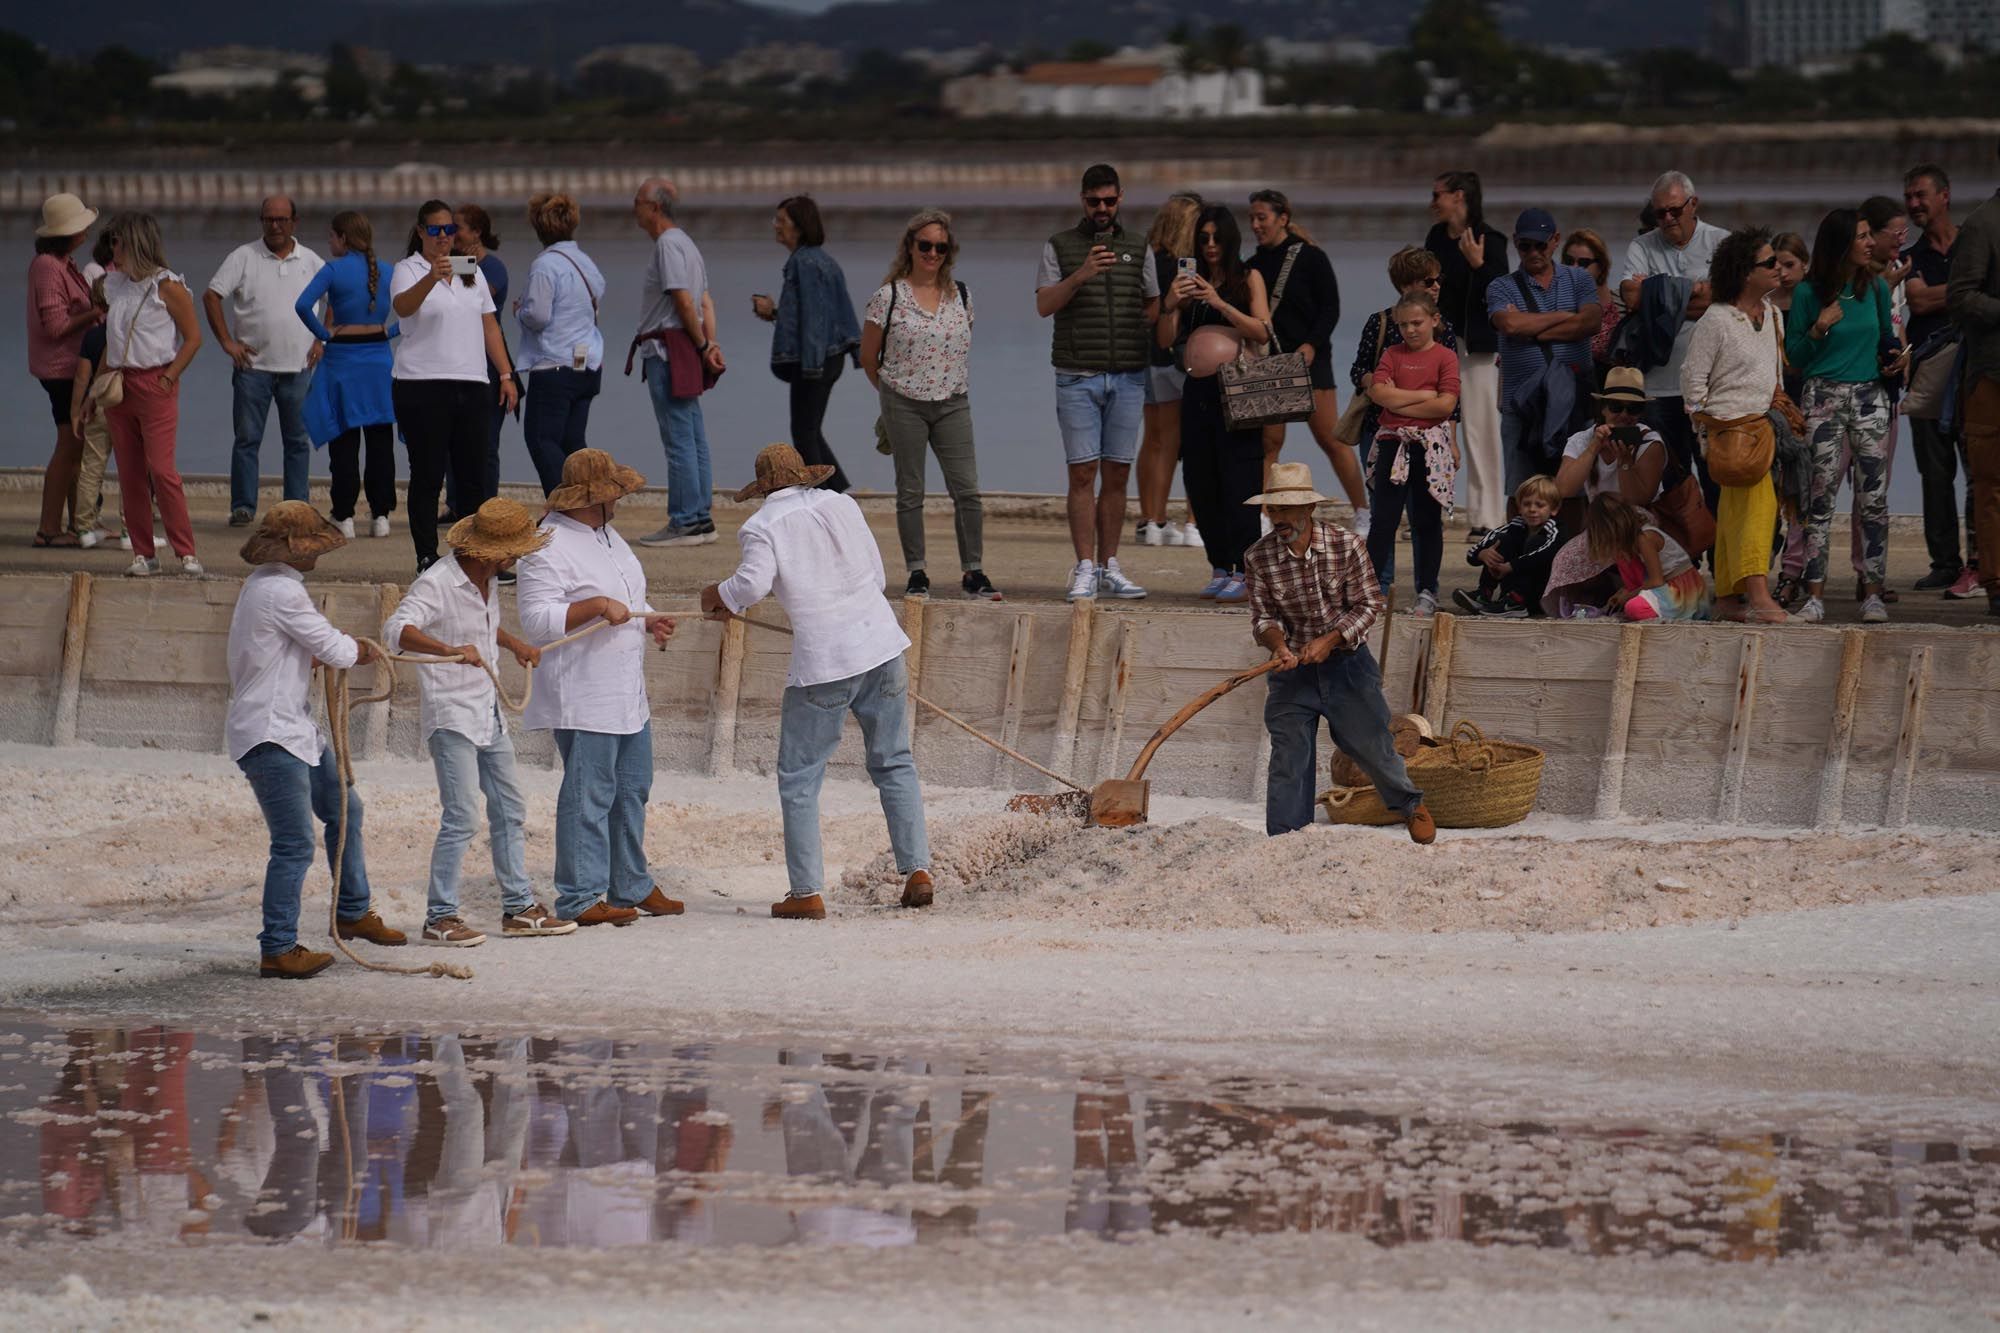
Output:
[[1521, 358]]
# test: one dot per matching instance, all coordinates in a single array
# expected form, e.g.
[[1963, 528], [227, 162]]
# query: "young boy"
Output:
[[1514, 560], [454, 607]]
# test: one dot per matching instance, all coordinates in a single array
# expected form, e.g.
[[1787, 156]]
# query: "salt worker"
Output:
[[812, 550], [454, 608], [1313, 598], [592, 694], [276, 635]]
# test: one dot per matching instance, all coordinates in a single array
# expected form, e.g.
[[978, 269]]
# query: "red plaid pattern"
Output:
[[1331, 589]]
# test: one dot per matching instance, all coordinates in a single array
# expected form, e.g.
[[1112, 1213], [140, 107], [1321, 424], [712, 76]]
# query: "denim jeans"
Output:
[[464, 771], [254, 391], [1099, 414], [292, 794], [809, 732], [555, 417], [685, 439], [601, 819], [1346, 690]]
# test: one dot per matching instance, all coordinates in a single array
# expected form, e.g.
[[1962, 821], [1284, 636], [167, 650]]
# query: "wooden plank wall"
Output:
[[1792, 725]]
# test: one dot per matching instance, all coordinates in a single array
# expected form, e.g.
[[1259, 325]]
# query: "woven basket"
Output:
[[1468, 782]]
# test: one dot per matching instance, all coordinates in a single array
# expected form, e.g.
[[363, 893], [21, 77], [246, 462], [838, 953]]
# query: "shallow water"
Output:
[[459, 1141]]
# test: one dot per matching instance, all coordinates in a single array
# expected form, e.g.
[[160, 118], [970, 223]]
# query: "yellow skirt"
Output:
[[1746, 520]]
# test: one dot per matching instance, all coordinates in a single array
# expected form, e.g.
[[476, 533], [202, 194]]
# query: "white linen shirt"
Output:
[[812, 550], [597, 683], [445, 338], [260, 290], [1732, 366], [274, 635], [445, 604]]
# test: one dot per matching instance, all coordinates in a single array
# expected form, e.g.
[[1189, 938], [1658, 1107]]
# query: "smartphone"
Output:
[[1102, 238], [1185, 265], [463, 266], [1627, 435]]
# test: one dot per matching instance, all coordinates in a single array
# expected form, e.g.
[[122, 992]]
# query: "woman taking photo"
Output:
[[916, 349], [1210, 313], [1839, 334], [59, 314], [1471, 256], [816, 331], [1620, 456], [477, 240], [562, 347], [1170, 240], [151, 335], [349, 401], [443, 400]]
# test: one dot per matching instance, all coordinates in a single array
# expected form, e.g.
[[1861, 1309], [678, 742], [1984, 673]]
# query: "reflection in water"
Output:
[[456, 1141]]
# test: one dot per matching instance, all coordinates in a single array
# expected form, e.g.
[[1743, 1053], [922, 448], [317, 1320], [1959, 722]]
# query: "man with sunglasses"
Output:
[[1545, 314], [272, 353], [1100, 285]]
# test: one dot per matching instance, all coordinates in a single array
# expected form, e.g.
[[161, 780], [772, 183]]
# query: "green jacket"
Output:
[[1973, 296], [1104, 325]]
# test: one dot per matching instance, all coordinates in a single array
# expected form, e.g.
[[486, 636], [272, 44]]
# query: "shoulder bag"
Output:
[[1268, 390], [108, 389], [1354, 417], [1741, 450]]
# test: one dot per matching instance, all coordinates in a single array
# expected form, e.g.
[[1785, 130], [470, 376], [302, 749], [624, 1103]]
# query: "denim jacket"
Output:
[[815, 317]]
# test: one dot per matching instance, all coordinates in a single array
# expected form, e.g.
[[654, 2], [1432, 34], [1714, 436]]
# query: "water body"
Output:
[[452, 1141]]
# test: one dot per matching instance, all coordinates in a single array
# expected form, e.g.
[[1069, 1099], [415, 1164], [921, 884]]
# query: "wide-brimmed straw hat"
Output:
[[592, 477], [291, 530], [501, 530], [779, 466], [1291, 484], [1623, 384], [64, 215]]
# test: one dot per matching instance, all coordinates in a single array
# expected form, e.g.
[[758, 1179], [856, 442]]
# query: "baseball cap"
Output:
[[1535, 224]]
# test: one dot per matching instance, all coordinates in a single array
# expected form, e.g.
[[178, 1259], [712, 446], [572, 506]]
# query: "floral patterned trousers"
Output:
[[1853, 419]]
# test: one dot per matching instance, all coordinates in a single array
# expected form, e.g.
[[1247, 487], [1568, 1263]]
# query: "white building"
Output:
[[1792, 32], [1118, 89], [1963, 23]]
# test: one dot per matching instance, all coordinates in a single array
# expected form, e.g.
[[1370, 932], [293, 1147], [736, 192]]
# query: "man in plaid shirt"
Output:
[[1313, 597]]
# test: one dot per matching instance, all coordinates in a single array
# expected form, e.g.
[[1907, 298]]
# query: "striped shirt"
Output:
[[1331, 589]]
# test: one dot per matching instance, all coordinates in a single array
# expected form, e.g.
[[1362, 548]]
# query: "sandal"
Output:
[[63, 539], [1775, 616]]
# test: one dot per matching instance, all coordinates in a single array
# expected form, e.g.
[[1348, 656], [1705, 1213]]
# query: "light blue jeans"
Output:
[[809, 732], [465, 770], [292, 794], [601, 819], [254, 391], [1100, 414], [685, 438]]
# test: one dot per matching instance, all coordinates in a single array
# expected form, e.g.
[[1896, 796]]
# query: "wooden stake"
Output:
[[375, 736], [723, 698], [1729, 805], [1114, 715], [913, 660], [1909, 737], [1076, 663], [1437, 678], [1846, 690], [1017, 675], [69, 689], [1617, 728]]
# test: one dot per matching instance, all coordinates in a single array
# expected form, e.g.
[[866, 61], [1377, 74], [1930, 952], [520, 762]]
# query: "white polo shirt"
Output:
[[445, 339], [274, 635], [447, 605], [597, 683], [259, 291]]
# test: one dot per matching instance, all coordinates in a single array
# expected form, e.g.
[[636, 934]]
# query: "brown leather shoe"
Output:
[[658, 904], [1423, 829], [294, 964], [917, 889], [373, 929], [809, 908], [603, 914]]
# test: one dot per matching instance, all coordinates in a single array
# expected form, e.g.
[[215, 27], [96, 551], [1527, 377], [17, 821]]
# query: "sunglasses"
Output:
[[1526, 246], [1100, 202], [1772, 262], [1579, 261], [1623, 409], [1673, 214], [932, 247], [440, 229], [1432, 282]]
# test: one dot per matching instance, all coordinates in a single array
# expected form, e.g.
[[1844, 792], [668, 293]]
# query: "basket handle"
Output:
[[1471, 728], [1337, 797]]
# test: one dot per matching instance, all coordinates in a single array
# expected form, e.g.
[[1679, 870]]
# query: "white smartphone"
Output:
[[463, 266], [1186, 265]]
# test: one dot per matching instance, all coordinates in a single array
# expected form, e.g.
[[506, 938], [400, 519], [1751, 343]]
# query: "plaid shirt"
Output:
[[1331, 589]]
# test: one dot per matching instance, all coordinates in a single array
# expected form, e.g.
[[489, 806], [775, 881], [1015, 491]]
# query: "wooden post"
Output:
[[1909, 737], [1114, 714], [1076, 663], [1847, 689], [722, 699], [1624, 684], [1729, 805], [913, 660], [69, 689], [1437, 675], [375, 733], [1017, 675]]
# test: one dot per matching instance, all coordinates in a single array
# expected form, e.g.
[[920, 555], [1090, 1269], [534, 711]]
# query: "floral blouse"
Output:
[[925, 356]]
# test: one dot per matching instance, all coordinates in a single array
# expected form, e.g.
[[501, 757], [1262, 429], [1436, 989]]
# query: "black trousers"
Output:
[[1939, 455], [1387, 500], [445, 425], [809, 400], [1669, 417], [350, 481], [1220, 469]]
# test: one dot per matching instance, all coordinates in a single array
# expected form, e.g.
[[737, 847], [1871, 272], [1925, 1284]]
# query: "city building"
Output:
[[788, 63], [1117, 88], [1748, 34]]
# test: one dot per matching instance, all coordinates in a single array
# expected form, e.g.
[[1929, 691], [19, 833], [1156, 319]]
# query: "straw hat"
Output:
[[291, 530], [64, 215], [591, 477], [501, 530], [779, 466], [1623, 384], [1291, 484]]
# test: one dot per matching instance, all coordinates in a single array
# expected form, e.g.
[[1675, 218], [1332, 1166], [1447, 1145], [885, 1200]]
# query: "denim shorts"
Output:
[[1099, 414]]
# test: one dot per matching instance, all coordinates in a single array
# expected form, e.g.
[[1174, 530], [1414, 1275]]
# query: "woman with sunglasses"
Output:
[[1585, 249], [441, 394], [1619, 456]]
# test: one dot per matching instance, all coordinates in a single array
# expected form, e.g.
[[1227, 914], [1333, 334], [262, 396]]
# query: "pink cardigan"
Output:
[[57, 293]]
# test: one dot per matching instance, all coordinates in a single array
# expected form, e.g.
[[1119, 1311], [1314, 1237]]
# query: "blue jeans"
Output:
[[685, 439], [253, 391], [465, 770], [557, 411], [1346, 690], [1099, 415], [601, 819], [809, 733], [291, 794]]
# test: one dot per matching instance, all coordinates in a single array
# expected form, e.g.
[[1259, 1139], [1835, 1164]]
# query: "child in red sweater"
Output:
[[1416, 456]]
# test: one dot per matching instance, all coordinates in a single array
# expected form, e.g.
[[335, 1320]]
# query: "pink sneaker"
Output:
[[1967, 586]]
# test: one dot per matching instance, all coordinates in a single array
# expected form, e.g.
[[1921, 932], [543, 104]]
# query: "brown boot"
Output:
[[294, 964], [1423, 829], [809, 908], [603, 913], [917, 889], [372, 928], [658, 904]]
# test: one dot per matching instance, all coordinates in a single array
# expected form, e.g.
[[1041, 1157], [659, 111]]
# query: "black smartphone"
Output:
[[1102, 238], [1627, 435]]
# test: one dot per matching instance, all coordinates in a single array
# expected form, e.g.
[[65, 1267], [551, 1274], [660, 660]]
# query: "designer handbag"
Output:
[[1268, 390]]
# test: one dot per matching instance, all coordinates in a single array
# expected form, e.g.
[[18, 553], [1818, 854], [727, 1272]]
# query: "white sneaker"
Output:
[[1427, 604], [346, 526], [1873, 612], [1111, 582], [143, 567], [380, 527], [1190, 534], [1813, 611], [1152, 534], [124, 541], [1360, 524], [86, 540], [1083, 580], [191, 567]]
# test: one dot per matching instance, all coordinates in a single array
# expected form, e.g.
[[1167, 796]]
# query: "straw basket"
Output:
[[1468, 782]]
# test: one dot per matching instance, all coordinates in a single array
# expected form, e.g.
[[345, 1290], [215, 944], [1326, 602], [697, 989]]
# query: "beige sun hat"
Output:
[[779, 466], [291, 530], [1623, 384], [64, 215], [592, 477], [501, 530], [1291, 484]]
